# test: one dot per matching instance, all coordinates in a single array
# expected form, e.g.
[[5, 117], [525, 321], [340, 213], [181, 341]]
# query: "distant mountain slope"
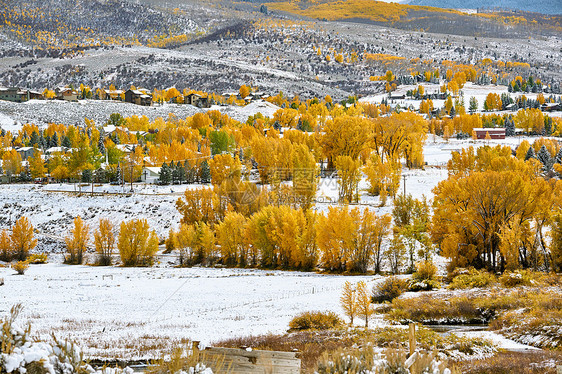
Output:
[[538, 6]]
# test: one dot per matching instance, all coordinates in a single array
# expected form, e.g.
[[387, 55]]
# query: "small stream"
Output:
[[449, 329]]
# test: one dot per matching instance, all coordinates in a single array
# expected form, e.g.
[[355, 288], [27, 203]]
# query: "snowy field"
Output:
[[116, 311]]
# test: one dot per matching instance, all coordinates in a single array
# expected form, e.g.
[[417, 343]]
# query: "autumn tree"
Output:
[[223, 167], [11, 163], [244, 91], [104, 241], [305, 176], [77, 242], [5, 246], [230, 238], [37, 165], [348, 301], [349, 172], [470, 210], [137, 244], [22, 239], [364, 308]]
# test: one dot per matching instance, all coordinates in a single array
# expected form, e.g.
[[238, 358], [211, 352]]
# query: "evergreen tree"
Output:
[[190, 173], [66, 142], [544, 157], [118, 175], [530, 154], [205, 172], [472, 104], [509, 126], [548, 125], [54, 140], [34, 140], [164, 176], [179, 173], [558, 158], [2, 132], [101, 145], [87, 176]]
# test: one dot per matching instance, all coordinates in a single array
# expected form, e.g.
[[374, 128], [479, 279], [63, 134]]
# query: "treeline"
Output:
[[135, 243]]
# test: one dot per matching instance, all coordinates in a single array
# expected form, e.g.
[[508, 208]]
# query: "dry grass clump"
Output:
[[541, 362]]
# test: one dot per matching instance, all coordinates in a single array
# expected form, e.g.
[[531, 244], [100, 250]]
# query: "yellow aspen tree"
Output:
[[348, 301], [22, 239], [77, 242], [185, 238], [364, 307], [305, 176], [230, 238], [137, 244], [349, 171], [244, 91], [37, 165], [5, 246], [104, 241]]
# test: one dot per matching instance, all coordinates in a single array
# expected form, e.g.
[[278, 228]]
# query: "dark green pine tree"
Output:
[[190, 173], [204, 172], [179, 172], [530, 154], [164, 176], [101, 145], [54, 140], [544, 157], [87, 176], [66, 142], [509, 126], [34, 140]]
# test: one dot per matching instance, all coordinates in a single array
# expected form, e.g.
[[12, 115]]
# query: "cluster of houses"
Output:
[[139, 97]]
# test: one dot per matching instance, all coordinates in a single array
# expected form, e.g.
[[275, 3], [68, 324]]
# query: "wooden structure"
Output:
[[495, 133], [245, 361], [138, 97]]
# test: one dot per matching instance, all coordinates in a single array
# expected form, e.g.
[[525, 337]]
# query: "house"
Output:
[[150, 174], [114, 95], [495, 133], [192, 99], [126, 148], [66, 94], [138, 97], [551, 107], [397, 96], [25, 152], [34, 95], [50, 151], [14, 94], [512, 107]]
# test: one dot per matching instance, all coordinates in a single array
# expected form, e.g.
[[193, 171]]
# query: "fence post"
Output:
[[412, 337]]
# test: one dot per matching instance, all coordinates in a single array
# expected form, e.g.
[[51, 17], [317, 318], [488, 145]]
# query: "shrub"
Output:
[[425, 270], [315, 321], [38, 258], [471, 278], [389, 289], [517, 278], [423, 285], [20, 267]]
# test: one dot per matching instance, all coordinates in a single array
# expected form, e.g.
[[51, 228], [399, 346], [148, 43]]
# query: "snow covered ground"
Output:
[[115, 311]]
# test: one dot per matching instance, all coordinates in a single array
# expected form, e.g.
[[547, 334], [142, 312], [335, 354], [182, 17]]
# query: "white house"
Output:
[[150, 174]]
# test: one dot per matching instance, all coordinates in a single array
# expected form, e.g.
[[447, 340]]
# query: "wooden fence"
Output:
[[242, 361]]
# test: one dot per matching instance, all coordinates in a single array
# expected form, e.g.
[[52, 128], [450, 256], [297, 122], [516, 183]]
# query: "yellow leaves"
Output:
[[137, 244], [244, 91], [224, 167], [11, 163], [22, 238], [37, 165], [77, 242], [104, 241], [199, 205], [349, 172]]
